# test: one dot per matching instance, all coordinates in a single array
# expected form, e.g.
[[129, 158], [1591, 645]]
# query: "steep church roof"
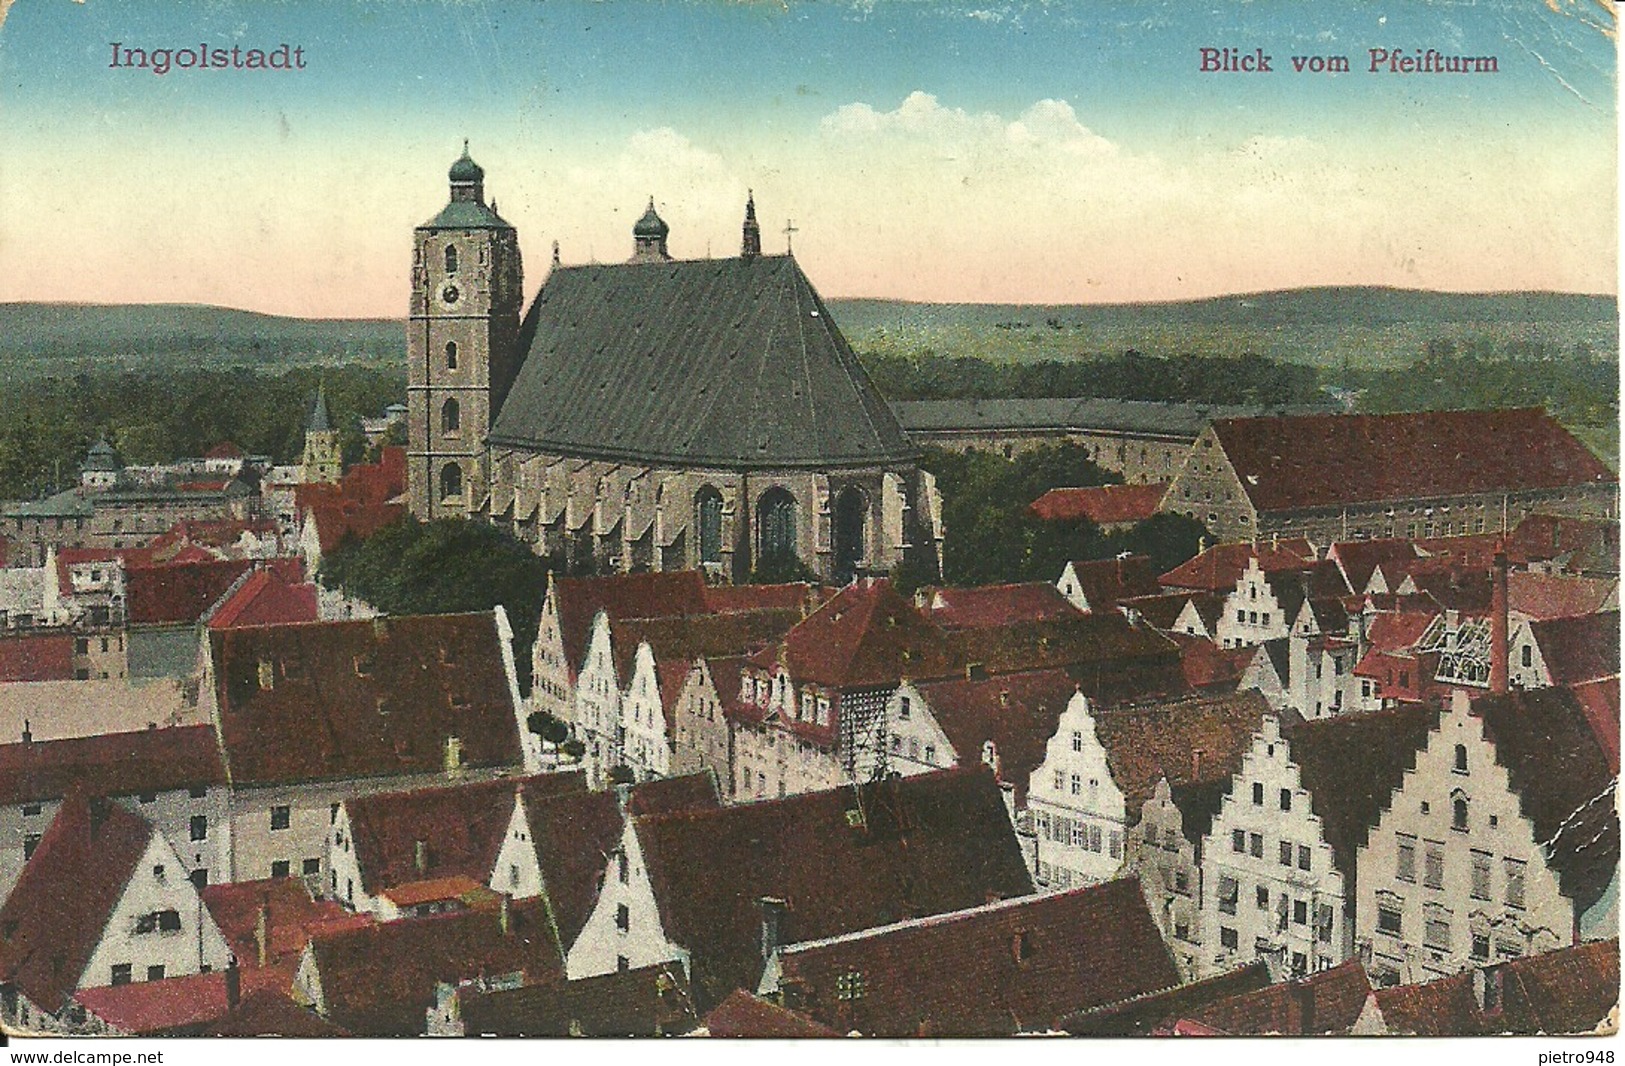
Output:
[[734, 363]]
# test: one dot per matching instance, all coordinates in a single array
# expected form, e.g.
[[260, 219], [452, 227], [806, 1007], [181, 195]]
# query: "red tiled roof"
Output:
[[178, 592], [1567, 991], [379, 980], [271, 1013], [36, 658], [1580, 649], [1161, 611], [1208, 666], [744, 1016], [111, 764], [324, 700], [174, 1006], [1558, 595], [62, 903], [291, 914], [668, 795], [1108, 582], [669, 594], [1219, 568], [1141, 1015], [266, 597], [438, 890], [1101, 504], [1600, 702], [1289, 463], [1398, 630], [1326, 1003], [990, 606], [798, 596], [867, 636], [1564, 783], [573, 836], [1017, 712], [922, 845], [993, 970], [224, 450], [1110, 658], [458, 829], [649, 1001], [1359, 559], [1590, 544]]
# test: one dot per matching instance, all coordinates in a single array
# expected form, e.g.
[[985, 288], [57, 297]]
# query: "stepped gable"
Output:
[[62, 903], [1285, 464], [1324, 1004], [1351, 764], [379, 980], [1002, 968], [1196, 744], [671, 594], [866, 636], [1579, 649], [1564, 784], [731, 363], [991, 606], [325, 700], [679, 641], [460, 828], [1017, 712], [111, 764], [841, 860]]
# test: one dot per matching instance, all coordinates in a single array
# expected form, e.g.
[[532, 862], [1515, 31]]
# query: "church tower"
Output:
[[462, 345], [322, 460]]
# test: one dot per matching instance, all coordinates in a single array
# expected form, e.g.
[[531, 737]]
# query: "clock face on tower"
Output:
[[449, 293]]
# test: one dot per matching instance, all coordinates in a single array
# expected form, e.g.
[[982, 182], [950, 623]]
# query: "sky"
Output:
[[1070, 151]]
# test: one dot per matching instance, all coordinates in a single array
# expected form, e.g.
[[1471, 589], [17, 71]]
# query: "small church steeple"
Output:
[[322, 460], [649, 237], [467, 179], [751, 246]]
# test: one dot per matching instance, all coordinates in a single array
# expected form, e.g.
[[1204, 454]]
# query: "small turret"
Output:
[[649, 237], [751, 244]]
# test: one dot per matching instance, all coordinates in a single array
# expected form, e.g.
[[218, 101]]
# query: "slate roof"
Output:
[[1101, 504], [866, 636], [650, 1001], [1564, 783], [1141, 1015], [741, 1015], [924, 845], [1326, 1003], [988, 606], [178, 593], [1179, 420], [1579, 649], [55, 916], [1351, 764], [110, 764], [1149, 742], [1017, 965], [732, 363], [1219, 568], [379, 980], [1325, 460], [1017, 712], [361, 698], [1108, 582], [460, 827]]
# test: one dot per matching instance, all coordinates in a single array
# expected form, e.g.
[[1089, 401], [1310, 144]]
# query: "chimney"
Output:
[[262, 933], [505, 915], [420, 857], [1499, 623], [772, 925], [1487, 989], [234, 984]]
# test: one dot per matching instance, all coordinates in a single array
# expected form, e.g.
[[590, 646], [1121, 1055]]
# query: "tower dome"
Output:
[[649, 237], [651, 224], [465, 171]]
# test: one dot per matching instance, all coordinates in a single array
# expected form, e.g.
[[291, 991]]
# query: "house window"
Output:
[[1390, 920], [623, 917], [30, 809], [200, 827], [931, 754], [1077, 740], [1258, 793], [1481, 875], [1433, 869], [1284, 856], [1300, 912], [1255, 845], [279, 817], [1406, 870], [1526, 655], [1458, 814], [1461, 758], [1262, 897], [850, 986], [902, 708], [198, 792], [451, 259], [148, 797], [121, 973], [1436, 927], [1303, 857], [1077, 785], [155, 973], [1060, 781], [310, 867], [1229, 890], [1286, 799], [451, 355], [1515, 874], [279, 868], [1238, 841], [1228, 938], [30, 842], [199, 878], [623, 868], [451, 417]]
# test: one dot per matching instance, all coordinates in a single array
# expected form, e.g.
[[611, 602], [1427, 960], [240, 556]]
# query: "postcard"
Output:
[[918, 520]]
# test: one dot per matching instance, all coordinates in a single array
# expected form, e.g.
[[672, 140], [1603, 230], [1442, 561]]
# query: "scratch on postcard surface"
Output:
[[1563, 7], [1577, 94]]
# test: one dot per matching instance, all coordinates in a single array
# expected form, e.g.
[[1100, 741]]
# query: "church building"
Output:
[[654, 414]]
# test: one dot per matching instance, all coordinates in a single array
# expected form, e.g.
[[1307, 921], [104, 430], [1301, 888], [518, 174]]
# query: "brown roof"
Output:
[[1219, 568], [458, 828], [798, 595], [650, 1001], [268, 1013], [1588, 545], [679, 641], [1196, 744], [269, 596], [667, 795], [669, 594], [998, 605], [1326, 1003], [1579, 649], [1108, 582], [1100, 504], [867, 636], [1109, 657], [1325, 460], [1142, 1014], [1209, 667], [111, 764], [362, 698], [742, 1015], [1398, 630], [62, 903], [1564, 783], [573, 836], [1161, 611], [1017, 712], [175, 1006], [36, 658], [179, 592], [1351, 764], [915, 846], [1557, 595], [379, 980], [291, 915], [1359, 559], [1600, 702], [1567, 991], [997, 969]]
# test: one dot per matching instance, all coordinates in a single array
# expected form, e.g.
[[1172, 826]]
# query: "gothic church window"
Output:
[[451, 481], [451, 417], [451, 355], [708, 508], [777, 511], [451, 259]]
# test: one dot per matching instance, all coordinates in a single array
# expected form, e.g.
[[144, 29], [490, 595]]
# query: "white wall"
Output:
[[1078, 813]]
